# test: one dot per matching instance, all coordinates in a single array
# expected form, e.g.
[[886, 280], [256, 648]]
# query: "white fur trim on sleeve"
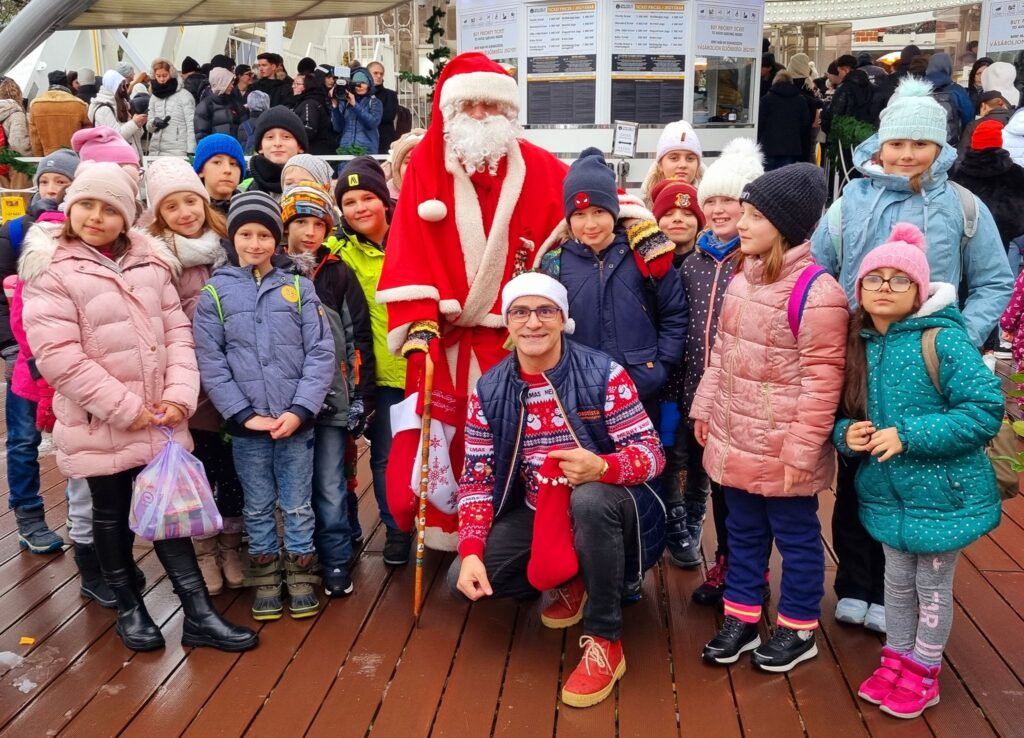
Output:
[[408, 292]]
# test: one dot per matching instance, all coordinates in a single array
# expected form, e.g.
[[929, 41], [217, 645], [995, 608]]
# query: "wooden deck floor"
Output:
[[361, 667]]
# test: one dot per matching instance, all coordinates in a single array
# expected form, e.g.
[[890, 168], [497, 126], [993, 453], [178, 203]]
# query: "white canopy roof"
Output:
[[125, 14]]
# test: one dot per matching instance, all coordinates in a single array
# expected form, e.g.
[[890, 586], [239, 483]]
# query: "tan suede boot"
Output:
[[206, 555], [231, 560]]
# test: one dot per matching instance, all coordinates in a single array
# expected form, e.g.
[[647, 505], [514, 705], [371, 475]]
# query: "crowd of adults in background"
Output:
[[167, 108]]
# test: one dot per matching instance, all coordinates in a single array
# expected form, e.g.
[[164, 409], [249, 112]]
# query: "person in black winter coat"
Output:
[[314, 110], [389, 100], [783, 123], [220, 112], [852, 97], [988, 171], [887, 85], [197, 83], [974, 88], [273, 80]]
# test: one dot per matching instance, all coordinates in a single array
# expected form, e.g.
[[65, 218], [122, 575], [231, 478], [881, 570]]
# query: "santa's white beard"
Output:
[[480, 145]]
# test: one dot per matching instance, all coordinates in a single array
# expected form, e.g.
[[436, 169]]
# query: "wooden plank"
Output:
[[590, 722], [470, 697], [704, 692], [986, 555], [993, 685], [647, 701], [293, 704], [355, 696], [72, 666], [1010, 537], [529, 697], [1001, 625], [411, 699], [183, 694], [1010, 585]]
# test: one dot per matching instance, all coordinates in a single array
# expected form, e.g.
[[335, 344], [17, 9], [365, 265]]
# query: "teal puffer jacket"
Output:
[[939, 494]]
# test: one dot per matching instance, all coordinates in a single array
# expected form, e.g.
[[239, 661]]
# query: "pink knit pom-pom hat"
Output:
[[904, 250]]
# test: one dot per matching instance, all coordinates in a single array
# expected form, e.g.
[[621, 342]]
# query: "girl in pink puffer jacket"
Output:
[[108, 333], [764, 412]]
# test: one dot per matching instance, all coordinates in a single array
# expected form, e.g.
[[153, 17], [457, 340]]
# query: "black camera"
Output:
[[161, 123]]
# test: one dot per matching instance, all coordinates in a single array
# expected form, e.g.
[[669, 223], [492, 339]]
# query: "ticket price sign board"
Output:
[[729, 30], [491, 31], [1005, 27], [561, 63], [648, 61]]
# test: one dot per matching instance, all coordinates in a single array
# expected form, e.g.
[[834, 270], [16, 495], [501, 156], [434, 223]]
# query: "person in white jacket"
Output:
[[110, 108], [172, 112], [1013, 138]]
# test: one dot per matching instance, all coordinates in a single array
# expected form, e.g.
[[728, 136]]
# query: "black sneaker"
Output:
[[713, 587], [734, 638], [785, 649], [396, 547], [337, 582]]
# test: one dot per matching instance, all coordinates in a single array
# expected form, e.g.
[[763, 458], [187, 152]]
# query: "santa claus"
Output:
[[476, 200]]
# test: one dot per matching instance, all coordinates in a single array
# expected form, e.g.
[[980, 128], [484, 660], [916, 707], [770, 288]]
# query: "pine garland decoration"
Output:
[[848, 132], [9, 158], [439, 56]]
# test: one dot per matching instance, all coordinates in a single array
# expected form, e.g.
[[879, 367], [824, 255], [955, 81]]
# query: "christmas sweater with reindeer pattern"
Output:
[[638, 459]]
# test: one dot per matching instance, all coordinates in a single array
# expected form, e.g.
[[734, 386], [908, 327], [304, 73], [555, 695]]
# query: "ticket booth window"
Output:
[[722, 94]]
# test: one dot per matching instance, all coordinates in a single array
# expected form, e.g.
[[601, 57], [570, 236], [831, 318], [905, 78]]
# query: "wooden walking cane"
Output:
[[421, 516]]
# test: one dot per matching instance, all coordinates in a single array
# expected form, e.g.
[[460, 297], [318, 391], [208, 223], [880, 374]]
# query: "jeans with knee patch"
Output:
[[277, 473], [919, 602]]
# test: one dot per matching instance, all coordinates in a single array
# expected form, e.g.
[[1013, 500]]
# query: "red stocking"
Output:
[[552, 557]]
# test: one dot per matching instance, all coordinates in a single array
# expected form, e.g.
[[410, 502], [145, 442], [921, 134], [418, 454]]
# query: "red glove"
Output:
[[45, 419]]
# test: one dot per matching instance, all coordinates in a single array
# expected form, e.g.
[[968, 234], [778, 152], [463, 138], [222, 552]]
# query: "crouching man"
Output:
[[554, 494]]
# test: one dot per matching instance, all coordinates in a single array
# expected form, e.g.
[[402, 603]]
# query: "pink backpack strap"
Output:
[[798, 297]]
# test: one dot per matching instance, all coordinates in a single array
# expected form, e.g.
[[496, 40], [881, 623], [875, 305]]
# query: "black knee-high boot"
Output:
[[134, 625], [204, 626]]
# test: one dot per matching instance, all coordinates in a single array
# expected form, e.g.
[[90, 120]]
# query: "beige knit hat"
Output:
[[107, 182], [400, 149]]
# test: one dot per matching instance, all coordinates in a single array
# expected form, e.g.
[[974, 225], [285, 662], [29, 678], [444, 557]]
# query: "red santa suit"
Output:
[[455, 241]]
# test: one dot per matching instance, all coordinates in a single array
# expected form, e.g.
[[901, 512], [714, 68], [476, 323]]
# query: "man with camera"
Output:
[[357, 113]]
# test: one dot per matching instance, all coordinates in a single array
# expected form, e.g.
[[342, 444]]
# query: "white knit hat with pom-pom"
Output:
[[740, 163]]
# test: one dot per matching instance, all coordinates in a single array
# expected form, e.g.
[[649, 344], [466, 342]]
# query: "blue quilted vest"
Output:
[[580, 380]]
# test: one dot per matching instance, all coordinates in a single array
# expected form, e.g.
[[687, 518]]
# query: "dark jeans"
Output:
[[604, 525], [860, 573], [793, 521], [378, 432], [22, 452], [332, 533], [219, 463]]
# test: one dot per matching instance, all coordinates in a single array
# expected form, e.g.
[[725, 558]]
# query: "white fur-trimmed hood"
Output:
[[940, 295]]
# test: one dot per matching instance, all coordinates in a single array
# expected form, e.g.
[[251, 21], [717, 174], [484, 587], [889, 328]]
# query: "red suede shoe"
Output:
[[594, 678], [567, 608]]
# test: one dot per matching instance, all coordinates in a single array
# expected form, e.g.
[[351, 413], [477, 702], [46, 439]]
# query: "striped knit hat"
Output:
[[308, 199], [255, 207]]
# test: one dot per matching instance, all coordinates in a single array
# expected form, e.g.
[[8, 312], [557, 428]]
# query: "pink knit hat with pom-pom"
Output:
[[904, 250]]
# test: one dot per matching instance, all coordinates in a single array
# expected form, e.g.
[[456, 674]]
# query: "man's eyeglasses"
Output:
[[546, 313], [873, 283]]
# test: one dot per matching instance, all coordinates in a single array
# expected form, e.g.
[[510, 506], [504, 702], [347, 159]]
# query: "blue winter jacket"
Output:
[[580, 379], [263, 348], [641, 322], [873, 205], [940, 493], [357, 124]]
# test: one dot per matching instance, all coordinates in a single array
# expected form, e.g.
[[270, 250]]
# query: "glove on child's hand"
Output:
[[356, 418], [45, 419]]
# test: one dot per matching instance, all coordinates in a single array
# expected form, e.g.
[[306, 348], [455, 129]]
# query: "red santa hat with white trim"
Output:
[[469, 76]]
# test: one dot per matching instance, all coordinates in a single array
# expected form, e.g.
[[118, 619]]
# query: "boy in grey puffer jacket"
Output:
[[266, 359]]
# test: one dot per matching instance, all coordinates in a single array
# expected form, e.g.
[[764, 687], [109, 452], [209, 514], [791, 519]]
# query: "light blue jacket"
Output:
[[873, 205], [263, 348]]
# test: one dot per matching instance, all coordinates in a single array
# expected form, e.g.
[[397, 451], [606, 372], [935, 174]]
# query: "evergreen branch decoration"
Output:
[[439, 56], [9, 158]]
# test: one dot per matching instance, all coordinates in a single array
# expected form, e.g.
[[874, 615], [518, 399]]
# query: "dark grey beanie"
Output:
[[255, 207], [791, 198], [590, 182]]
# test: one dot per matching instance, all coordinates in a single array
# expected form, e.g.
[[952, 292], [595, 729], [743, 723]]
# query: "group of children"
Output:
[[740, 340], [731, 317], [189, 317]]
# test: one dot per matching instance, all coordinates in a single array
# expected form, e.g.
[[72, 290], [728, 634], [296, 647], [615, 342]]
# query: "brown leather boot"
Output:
[[206, 555], [231, 560]]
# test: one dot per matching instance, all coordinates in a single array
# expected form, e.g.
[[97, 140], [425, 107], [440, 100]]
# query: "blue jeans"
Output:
[[333, 534], [276, 473], [379, 433], [22, 452]]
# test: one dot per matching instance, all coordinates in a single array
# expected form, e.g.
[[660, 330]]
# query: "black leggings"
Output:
[[215, 453]]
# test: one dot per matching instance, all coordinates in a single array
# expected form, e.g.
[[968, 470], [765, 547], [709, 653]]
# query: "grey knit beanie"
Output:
[[791, 198], [61, 161], [316, 166]]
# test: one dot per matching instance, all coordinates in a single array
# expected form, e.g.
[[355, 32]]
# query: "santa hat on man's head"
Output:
[[469, 76]]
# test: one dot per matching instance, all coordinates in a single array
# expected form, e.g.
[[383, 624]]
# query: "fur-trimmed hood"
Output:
[[42, 244], [630, 208], [180, 253]]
